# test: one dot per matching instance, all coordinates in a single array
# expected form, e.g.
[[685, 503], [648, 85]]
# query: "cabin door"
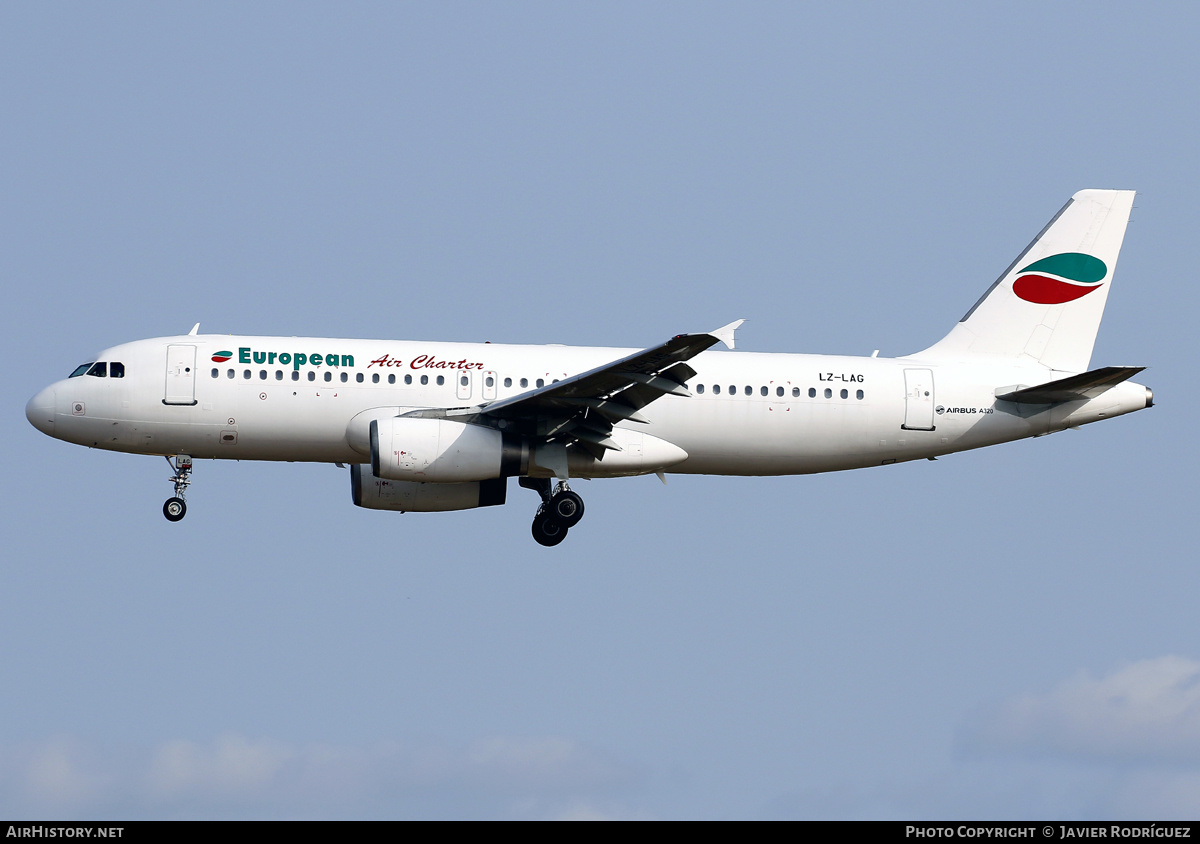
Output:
[[918, 400], [181, 375]]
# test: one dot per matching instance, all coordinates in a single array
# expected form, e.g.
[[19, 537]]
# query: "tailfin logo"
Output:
[[1060, 278], [221, 357]]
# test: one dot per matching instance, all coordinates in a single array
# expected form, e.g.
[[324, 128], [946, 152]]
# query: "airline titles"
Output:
[[425, 362], [245, 354]]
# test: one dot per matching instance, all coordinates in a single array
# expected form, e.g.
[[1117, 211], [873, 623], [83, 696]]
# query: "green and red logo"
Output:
[[1060, 278], [221, 357]]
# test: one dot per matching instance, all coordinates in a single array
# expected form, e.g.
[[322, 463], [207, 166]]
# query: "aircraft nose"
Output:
[[40, 411]]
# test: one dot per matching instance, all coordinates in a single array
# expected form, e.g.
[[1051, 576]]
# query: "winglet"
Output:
[[195, 330], [725, 333]]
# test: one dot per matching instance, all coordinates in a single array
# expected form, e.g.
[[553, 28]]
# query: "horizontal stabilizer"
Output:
[[1086, 385]]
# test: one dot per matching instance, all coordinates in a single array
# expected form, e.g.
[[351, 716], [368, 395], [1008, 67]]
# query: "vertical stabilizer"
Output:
[[1046, 307]]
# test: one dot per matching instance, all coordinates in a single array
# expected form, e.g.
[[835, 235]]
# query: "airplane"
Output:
[[434, 426]]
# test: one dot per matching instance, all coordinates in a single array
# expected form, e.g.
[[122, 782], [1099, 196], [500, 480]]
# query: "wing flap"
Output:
[[613, 410]]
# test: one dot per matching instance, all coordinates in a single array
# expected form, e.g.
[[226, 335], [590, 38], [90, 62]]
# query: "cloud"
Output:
[[234, 776], [1146, 712], [1125, 745]]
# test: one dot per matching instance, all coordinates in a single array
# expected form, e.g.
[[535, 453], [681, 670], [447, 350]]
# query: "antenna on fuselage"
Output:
[[195, 330]]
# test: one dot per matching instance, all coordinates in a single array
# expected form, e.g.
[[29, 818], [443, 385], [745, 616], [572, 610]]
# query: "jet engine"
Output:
[[442, 451], [376, 493]]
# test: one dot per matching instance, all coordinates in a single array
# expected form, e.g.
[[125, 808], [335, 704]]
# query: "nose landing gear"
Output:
[[176, 508], [560, 510]]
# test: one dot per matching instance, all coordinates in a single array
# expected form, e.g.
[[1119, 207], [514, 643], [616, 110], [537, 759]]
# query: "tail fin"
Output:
[[1046, 307]]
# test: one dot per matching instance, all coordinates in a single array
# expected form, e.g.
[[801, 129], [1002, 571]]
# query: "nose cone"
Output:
[[40, 411]]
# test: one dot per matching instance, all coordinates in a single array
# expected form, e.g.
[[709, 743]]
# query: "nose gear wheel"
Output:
[[175, 508]]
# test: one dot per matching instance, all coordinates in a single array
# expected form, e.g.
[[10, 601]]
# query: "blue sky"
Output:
[[1007, 633]]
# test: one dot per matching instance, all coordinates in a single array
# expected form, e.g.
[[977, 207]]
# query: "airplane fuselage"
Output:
[[295, 399]]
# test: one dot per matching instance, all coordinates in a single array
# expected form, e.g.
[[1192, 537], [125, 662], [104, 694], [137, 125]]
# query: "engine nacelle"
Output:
[[376, 493], [440, 451]]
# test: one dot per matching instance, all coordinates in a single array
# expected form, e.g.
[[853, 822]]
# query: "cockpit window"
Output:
[[116, 369], [99, 370], [80, 370]]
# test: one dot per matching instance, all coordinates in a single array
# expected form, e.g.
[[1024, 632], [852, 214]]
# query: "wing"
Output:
[[580, 411]]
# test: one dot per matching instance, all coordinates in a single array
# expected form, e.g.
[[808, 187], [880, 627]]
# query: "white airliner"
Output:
[[442, 426]]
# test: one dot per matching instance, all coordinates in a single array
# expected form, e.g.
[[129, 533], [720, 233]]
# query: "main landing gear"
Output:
[[561, 509], [176, 508]]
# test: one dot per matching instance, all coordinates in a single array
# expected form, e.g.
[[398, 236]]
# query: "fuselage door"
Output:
[[918, 400], [489, 385], [464, 384], [181, 375]]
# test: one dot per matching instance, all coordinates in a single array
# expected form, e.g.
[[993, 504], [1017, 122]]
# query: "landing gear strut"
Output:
[[176, 508], [561, 509]]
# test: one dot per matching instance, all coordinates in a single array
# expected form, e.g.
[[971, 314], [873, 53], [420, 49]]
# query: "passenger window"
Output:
[[278, 374], [216, 372], [246, 374], [859, 394], [845, 394], [117, 370], [779, 391], [262, 375], [487, 382], [392, 379], [424, 379], [375, 378], [328, 377], [99, 370], [507, 382], [359, 377], [295, 375], [524, 382], [462, 380], [541, 383], [700, 389], [229, 373], [795, 392], [716, 389], [812, 392], [763, 391], [312, 376], [440, 380], [345, 377], [828, 393]]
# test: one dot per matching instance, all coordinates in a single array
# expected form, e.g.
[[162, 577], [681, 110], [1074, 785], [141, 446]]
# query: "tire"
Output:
[[567, 507], [548, 531], [175, 509]]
